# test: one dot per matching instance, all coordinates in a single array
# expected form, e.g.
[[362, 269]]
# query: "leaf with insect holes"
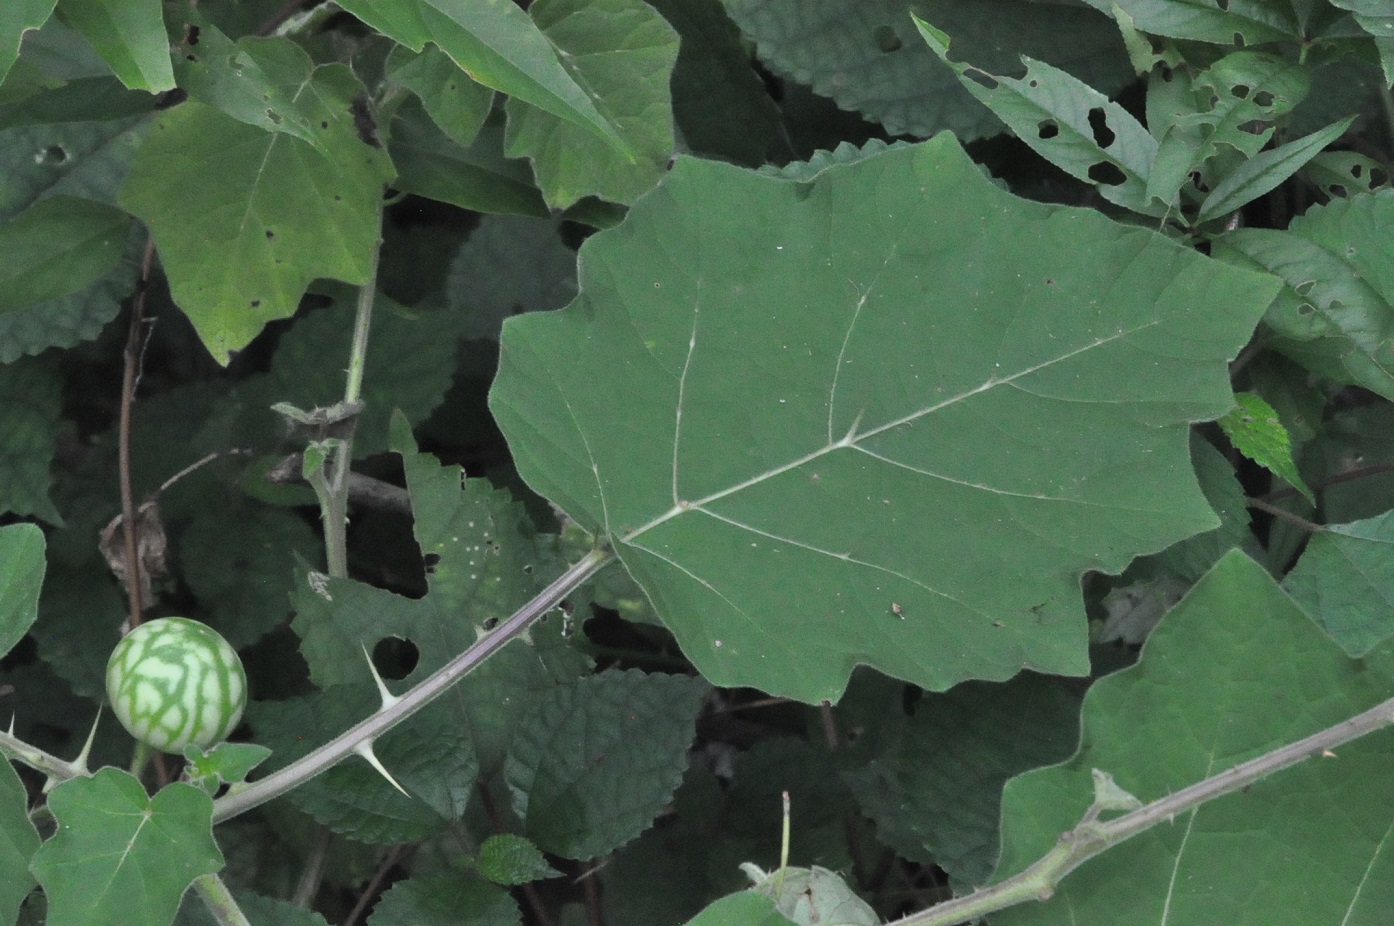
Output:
[[897, 345], [296, 213]]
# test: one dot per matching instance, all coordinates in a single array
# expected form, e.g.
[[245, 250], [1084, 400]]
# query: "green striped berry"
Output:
[[174, 681]]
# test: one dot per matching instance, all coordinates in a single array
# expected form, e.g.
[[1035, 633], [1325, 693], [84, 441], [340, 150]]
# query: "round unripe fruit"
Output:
[[174, 681]]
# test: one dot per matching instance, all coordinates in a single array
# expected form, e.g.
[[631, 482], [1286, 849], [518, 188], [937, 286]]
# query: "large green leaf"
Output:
[[1233, 671], [1336, 308], [595, 761], [848, 401], [744, 909], [622, 53], [496, 44], [18, 841], [121, 857], [1345, 580], [245, 219], [59, 246], [21, 577], [16, 18], [866, 55], [129, 35]]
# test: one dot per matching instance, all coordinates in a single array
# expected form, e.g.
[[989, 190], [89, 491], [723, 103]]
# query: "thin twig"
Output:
[[1284, 514], [130, 370], [313, 875], [374, 885]]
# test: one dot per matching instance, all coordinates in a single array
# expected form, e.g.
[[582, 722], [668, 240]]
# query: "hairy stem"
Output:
[[1092, 837], [278, 783], [218, 899]]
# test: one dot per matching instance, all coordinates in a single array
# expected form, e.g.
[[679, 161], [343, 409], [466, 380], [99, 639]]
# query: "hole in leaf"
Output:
[[490, 623], [1339, 189], [981, 77], [527, 570], [1098, 124], [191, 34], [274, 116], [1265, 99], [1254, 127], [1047, 129], [431, 561], [53, 154], [270, 234], [1240, 91], [255, 303], [1223, 5], [886, 39], [394, 658], [1238, 40], [1106, 174], [1166, 74], [1304, 287]]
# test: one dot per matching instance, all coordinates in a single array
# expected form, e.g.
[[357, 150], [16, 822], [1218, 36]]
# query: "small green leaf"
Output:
[[1056, 114], [1345, 580], [1235, 670], [121, 857], [508, 859], [744, 909], [58, 246], [456, 104], [16, 18], [18, 842], [31, 396], [622, 53], [445, 900], [21, 578], [594, 762], [225, 763], [1266, 170], [1258, 433], [1345, 174], [301, 214], [129, 35]]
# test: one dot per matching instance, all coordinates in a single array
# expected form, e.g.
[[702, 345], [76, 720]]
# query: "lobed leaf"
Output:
[[456, 104], [594, 762], [896, 345], [121, 857], [129, 35], [245, 219], [1233, 671]]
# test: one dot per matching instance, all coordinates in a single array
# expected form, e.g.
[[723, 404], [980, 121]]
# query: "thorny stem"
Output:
[[298, 772], [1093, 837], [40, 761]]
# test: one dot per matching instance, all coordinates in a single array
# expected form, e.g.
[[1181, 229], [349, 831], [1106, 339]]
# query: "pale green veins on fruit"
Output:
[[174, 681]]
